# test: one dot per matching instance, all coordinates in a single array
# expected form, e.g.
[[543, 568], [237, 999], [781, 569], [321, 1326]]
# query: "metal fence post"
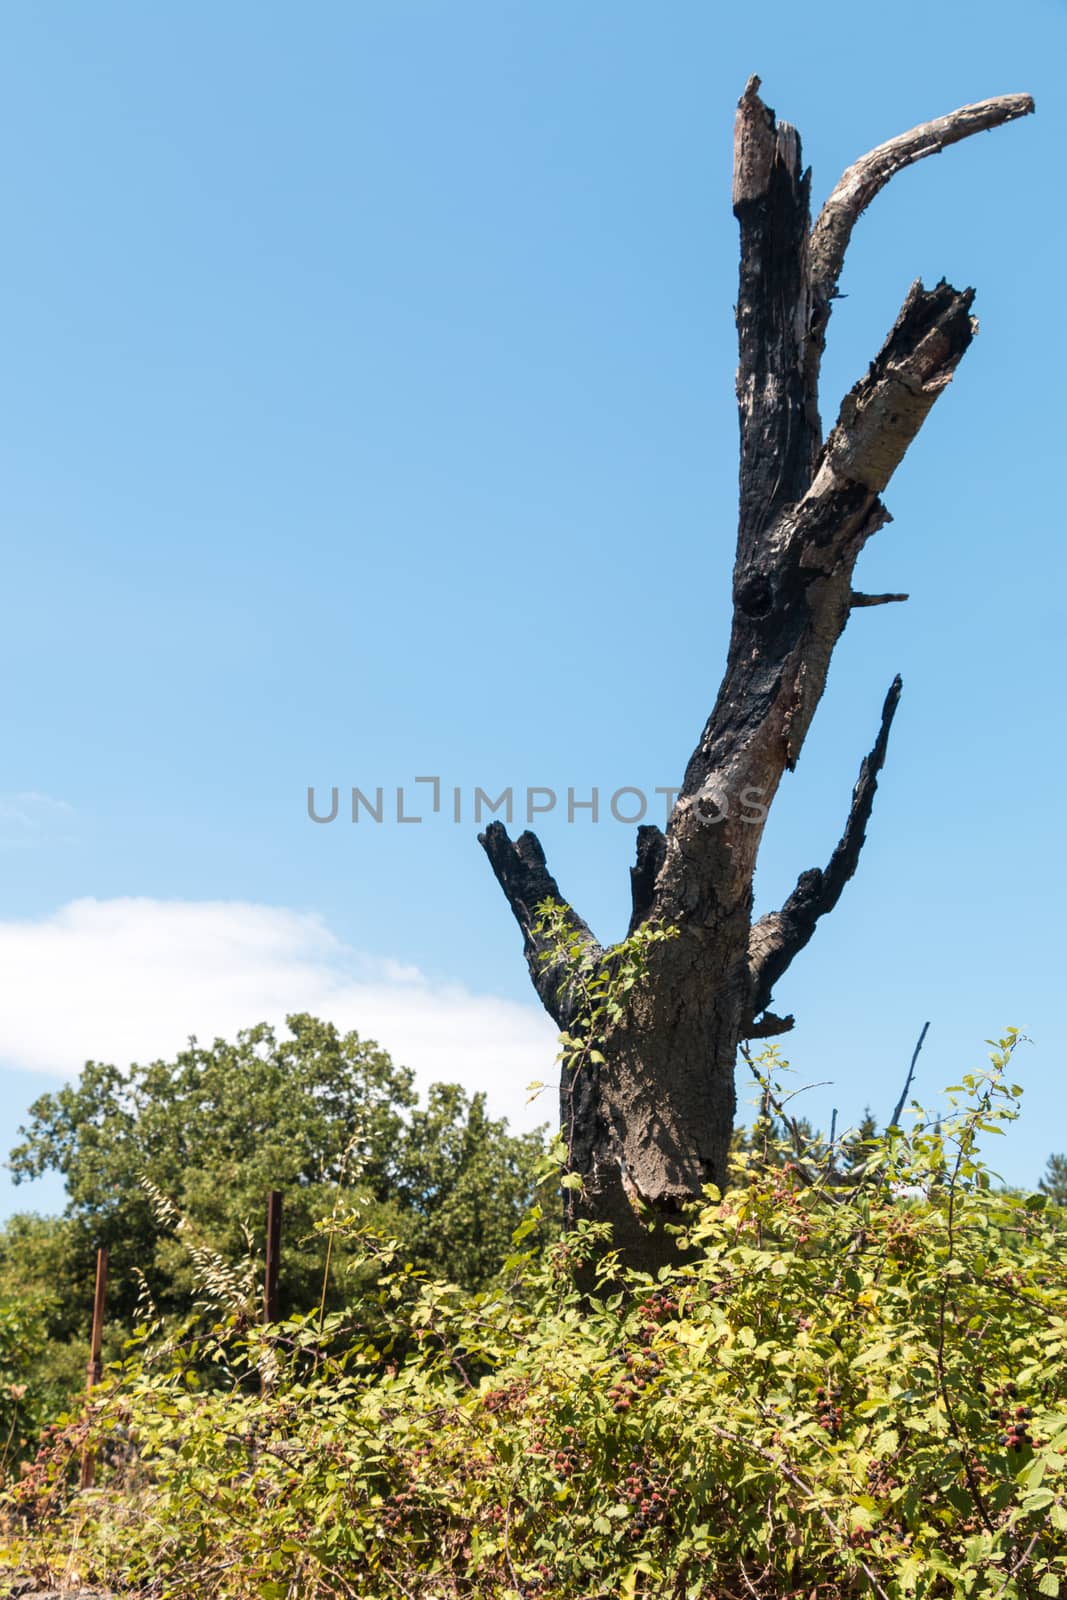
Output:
[[95, 1370], [274, 1240]]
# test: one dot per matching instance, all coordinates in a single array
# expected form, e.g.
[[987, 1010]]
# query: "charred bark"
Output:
[[650, 1124]]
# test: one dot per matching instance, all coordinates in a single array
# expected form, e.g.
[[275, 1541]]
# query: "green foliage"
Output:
[[39, 1256], [461, 1185], [217, 1128], [41, 1363], [22, 1403], [856, 1146], [168, 1165], [600, 992], [851, 1385], [601, 989]]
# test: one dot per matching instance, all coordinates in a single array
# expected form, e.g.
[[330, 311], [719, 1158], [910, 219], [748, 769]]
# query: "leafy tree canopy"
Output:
[[325, 1117]]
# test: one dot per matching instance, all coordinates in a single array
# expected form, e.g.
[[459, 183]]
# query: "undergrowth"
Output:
[[846, 1386]]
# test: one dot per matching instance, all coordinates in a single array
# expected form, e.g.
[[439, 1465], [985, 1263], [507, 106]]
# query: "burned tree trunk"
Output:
[[650, 1125]]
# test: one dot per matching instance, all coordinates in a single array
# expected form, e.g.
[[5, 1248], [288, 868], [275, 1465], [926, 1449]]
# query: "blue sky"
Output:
[[367, 412]]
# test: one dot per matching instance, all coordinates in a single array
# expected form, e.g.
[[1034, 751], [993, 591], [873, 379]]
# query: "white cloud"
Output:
[[130, 979]]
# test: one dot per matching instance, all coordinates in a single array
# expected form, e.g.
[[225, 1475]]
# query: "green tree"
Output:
[[463, 1185], [43, 1337], [856, 1146], [1054, 1183], [319, 1115]]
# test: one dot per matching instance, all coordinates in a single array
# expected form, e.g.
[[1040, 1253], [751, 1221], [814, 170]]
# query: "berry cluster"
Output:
[[566, 1458], [641, 1369], [1015, 1419], [828, 1410], [658, 1307], [396, 1510], [503, 1399], [651, 1503]]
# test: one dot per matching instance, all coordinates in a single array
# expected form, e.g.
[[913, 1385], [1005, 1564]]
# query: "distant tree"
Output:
[[855, 1149], [1054, 1183], [44, 1316], [462, 1186], [314, 1115]]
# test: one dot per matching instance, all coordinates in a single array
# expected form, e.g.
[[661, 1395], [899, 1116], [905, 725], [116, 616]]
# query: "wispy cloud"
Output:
[[130, 979], [30, 818]]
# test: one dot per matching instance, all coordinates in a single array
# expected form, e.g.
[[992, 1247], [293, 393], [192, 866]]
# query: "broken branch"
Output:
[[857, 599], [864, 179], [522, 873], [777, 938]]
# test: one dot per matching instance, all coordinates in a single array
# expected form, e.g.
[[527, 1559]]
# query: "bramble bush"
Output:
[[846, 1386]]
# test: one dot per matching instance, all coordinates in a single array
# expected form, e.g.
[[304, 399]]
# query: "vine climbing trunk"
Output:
[[648, 1116]]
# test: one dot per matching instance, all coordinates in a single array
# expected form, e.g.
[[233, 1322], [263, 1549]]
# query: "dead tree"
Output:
[[651, 1124]]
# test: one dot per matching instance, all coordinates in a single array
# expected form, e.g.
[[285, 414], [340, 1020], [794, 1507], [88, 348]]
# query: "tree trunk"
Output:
[[650, 1125]]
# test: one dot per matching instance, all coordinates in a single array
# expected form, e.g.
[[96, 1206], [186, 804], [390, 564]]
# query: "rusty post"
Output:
[[95, 1369], [274, 1239]]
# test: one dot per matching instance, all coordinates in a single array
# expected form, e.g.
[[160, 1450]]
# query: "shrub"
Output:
[[844, 1387]]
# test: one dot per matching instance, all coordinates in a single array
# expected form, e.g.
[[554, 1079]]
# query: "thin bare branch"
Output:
[[864, 179], [894, 1121]]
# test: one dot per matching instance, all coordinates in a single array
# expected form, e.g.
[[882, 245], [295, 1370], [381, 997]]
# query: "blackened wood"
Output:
[[857, 599], [651, 851], [523, 875], [771, 201], [777, 938], [768, 1026]]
